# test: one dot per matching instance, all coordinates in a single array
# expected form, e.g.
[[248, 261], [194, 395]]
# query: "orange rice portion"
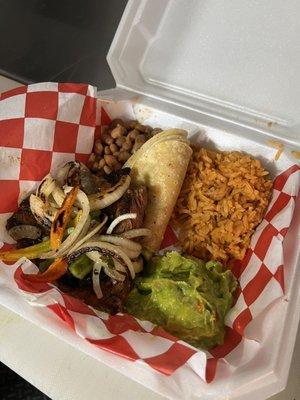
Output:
[[223, 199]]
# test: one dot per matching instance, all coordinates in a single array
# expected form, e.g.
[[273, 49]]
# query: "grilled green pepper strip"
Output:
[[30, 252], [43, 265], [81, 267]]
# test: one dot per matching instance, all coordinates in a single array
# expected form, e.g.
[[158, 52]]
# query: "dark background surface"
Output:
[[58, 40], [61, 41], [13, 387]]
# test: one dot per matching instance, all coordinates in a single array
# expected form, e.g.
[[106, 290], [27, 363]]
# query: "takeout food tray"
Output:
[[137, 54]]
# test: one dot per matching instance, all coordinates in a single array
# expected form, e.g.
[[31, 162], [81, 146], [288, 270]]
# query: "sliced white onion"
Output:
[[85, 228], [49, 187], [96, 280], [120, 241], [63, 171], [113, 274], [42, 212], [107, 197], [119, 219], [46, 187], [82, 234], [132, 254], [67, 243], [67, 189], [98, 264], [52, 202], [37, 206], [112, 248], [119, 267], [138, 265], [132, 249], [58, 195], [88, 236], [133, 233]]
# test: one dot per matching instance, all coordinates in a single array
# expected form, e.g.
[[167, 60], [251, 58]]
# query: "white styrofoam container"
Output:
[[223, 68]]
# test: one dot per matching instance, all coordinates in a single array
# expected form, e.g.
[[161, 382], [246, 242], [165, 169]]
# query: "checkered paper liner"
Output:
[[44, 125]]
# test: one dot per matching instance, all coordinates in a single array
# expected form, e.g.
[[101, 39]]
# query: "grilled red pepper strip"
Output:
[[61, 219], [55, 271]]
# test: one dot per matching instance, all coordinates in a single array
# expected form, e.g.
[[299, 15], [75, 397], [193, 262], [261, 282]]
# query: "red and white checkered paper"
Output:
[[44, 125]]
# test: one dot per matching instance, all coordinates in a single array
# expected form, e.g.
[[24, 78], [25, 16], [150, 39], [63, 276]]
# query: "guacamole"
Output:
[[187, 297]]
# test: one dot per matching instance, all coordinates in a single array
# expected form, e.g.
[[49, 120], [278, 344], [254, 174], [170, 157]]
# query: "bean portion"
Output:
[[118, 142]]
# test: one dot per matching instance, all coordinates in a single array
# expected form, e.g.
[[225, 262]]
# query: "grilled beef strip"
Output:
[[114, 293], [133, 201]]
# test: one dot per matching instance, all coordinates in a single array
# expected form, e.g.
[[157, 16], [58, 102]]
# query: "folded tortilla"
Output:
[[160, 164]]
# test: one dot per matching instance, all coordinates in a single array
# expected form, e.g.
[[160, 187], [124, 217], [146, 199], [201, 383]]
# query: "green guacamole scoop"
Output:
[[187, 297]]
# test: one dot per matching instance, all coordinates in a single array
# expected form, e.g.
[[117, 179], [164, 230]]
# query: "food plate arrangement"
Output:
[[166, 231], [114, 245]]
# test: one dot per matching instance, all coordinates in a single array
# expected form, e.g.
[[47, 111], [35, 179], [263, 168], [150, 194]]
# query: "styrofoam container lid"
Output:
[[233, 65], [237, 60]]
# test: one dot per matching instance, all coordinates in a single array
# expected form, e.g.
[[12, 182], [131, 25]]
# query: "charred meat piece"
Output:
[[114, 293], [23, 227], [23, 216], [80, 175], [22, 243], [133, 201], [115, 176]]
